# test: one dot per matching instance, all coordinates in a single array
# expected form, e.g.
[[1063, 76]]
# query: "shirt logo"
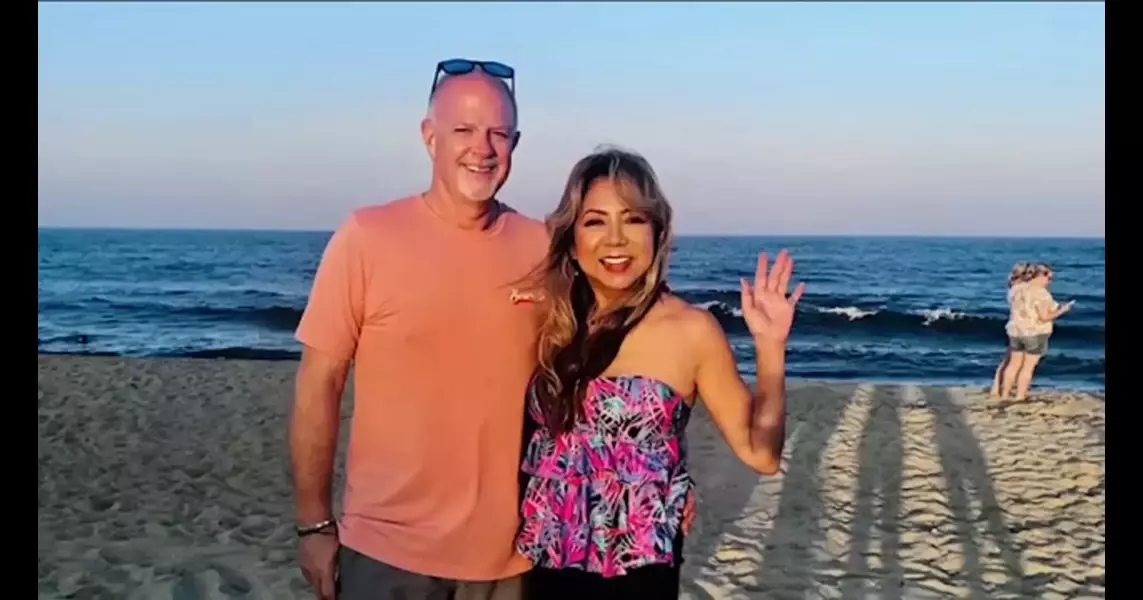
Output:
[[518, 297]]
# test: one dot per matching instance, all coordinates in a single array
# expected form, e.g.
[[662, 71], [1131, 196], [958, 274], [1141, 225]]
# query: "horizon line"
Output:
[[992, 236]]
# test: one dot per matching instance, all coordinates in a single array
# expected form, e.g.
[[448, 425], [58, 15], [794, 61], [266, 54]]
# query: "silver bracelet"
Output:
[[318, 528]]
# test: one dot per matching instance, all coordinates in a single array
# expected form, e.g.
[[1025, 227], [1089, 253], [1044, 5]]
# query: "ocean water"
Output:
[[876, 309]]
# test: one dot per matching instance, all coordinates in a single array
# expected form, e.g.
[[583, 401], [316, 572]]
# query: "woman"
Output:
[[622, 361], [1016, 277], [1030, 324]]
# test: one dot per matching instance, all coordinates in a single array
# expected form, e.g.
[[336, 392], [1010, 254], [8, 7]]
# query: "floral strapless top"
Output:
[[613, 494]]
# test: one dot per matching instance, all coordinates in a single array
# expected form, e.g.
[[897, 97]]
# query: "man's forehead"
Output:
[[474, 78], [451, 87]]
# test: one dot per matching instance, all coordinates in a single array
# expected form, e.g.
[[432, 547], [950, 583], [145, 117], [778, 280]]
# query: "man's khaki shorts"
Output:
[[362, 578]]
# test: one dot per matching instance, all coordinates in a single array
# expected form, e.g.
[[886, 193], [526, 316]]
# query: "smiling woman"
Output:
[[615, 238], [622, 361]]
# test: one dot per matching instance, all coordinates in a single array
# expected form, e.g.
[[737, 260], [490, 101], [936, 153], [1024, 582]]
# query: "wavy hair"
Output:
[[578, 340], [1037, 269], [1020, 272]]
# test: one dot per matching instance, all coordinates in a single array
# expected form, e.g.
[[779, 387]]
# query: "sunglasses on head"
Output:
[[464, 66]]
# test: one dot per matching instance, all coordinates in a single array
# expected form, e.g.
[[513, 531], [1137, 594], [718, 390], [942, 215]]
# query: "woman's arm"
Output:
[[1050, 314], [753, 425], [1047, 308]]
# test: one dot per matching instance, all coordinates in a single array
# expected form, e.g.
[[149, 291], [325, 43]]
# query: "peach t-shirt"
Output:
[[442, 350]]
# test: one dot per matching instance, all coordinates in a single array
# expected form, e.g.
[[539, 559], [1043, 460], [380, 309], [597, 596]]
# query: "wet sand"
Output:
[[169, 478]]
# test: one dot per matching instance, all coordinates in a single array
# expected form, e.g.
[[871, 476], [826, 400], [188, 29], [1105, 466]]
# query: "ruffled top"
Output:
[[613, 494]]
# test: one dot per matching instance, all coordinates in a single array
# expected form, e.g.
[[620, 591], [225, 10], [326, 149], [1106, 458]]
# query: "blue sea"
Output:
[[882, 309]]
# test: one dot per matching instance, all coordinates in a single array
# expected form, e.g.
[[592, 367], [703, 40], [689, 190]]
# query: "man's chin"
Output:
[[478, 199], [480, 195]]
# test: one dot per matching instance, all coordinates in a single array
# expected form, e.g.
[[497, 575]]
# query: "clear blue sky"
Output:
[[766, 118]]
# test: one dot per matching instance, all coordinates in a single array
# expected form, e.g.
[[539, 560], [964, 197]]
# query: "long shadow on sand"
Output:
[[791, 547], [813, 415], [877, 505], [718, 474], [966, 474]]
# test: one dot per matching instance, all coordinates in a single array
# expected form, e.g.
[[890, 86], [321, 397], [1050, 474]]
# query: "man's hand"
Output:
[[317, 554], [313, 443]]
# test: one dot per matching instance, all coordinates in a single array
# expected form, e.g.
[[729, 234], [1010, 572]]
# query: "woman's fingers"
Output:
[[760, 275], [797, 295]]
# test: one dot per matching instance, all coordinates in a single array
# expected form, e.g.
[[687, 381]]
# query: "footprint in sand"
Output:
[[205, 580]]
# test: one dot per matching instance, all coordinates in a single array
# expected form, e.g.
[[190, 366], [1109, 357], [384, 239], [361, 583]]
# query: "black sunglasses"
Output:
[[463, 66]]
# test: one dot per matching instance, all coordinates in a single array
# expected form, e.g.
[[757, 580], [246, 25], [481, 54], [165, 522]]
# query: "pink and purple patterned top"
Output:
[[613, 494]]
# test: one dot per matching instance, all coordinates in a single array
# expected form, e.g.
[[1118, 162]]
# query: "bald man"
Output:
[[417, 294]]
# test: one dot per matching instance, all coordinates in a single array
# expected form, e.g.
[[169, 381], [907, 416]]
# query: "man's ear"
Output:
[[429, 137], [515, 140]]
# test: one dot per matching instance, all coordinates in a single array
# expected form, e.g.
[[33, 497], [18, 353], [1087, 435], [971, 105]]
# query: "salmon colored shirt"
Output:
[[443, 349]]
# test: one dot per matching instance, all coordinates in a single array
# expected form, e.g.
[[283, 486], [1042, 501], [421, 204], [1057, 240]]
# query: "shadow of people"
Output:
[[877, 502], [723, 486], [966, 475], [813, 412], [790, 554]]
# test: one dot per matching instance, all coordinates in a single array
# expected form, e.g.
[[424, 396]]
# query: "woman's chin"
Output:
[[611, 285]]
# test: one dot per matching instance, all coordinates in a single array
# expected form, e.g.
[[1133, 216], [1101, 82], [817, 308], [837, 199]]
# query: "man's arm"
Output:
[[314, 424], [329, 331]]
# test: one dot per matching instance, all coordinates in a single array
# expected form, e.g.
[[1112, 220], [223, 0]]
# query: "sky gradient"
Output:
[[760, 118]]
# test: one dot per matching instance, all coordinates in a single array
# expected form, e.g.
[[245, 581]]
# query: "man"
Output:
[[417, 294]]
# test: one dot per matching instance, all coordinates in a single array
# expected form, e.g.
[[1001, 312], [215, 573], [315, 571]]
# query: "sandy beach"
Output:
[[168, 478]]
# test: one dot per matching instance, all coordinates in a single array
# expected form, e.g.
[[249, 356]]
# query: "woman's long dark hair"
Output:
[[577, 343]]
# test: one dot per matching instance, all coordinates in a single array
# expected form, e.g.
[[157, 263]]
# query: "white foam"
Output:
[[730, 309], [854, 313], [936, 314]]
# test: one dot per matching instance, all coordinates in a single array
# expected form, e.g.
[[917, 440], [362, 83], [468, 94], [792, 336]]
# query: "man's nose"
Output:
[[483, 145]]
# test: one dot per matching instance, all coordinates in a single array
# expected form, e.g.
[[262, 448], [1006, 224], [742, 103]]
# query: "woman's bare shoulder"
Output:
[[694, 323]]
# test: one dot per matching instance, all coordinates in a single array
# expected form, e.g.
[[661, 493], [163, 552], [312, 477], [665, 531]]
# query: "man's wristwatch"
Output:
[[326, 527]]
